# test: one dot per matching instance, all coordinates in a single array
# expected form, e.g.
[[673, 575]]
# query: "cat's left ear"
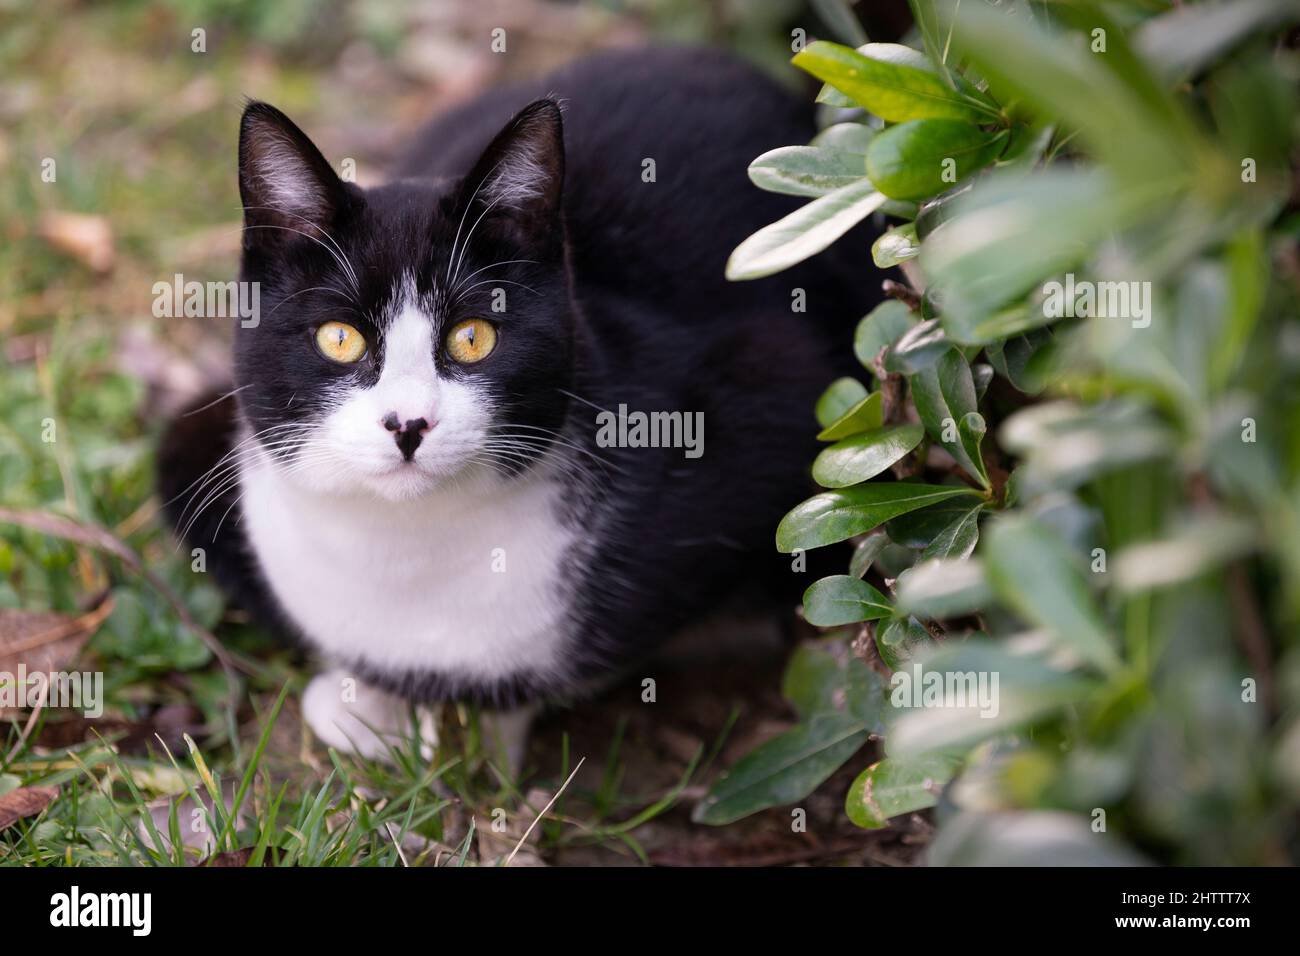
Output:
[[517, 183], [286, 185]]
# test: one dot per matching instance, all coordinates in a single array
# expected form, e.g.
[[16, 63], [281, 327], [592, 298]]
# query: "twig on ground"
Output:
[[103, 540], [27, 728], [524, 839], [1252, 634], [864, 649]]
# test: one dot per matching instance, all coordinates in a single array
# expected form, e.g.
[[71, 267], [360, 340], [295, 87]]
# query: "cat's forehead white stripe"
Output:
[[408, 346], [408, 337]]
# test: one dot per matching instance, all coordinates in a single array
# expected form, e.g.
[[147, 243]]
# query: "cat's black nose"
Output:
[[408, 436]]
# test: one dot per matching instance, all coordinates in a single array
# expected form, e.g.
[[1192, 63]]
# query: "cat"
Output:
[[417, 473]]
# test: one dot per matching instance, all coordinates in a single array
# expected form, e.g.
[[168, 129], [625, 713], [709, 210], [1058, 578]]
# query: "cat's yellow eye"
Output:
[[340, 342], [471, 341]]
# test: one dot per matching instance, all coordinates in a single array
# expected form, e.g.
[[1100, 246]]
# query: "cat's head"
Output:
[[408, 335]]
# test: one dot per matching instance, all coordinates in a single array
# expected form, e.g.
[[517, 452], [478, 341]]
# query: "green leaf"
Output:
[[843, 599], [864, 456], [1021, 360], [805, 170], [846, 138], [784, 769], [816, 674], [1188, 38], [839, 16], [922, 158], [1252, 103], [944, 396], [830, 96], [938, 589], [1026, 838], [1121, 112], [804, 233], [839, 398], [812, 676], [895, 82], [919, 347], [916, 529], [926, 18], [866, 552], [1012, 231], [882, 326], [862, 416], [957, 540], [1033, 573], [825, 677], [1065, 445], [993, 330], [1248, 277], [838, 515], [935, 212], [982, 373], [901, 640], [969, 691], [971, 430], [895, 245], [1196, 547], [895, 558], [896, 786], [1028, 145]]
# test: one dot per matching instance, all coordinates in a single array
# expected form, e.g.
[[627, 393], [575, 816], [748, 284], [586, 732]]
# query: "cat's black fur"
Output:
[[632, 308]]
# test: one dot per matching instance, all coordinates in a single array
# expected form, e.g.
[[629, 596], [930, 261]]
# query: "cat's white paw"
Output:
[[505, 734], [352, 716]]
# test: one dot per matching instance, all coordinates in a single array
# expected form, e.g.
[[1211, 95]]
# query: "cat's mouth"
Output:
[[377, 469], [401, 479]]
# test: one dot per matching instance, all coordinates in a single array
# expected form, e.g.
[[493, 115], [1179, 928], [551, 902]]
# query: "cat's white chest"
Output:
[[462, 583]]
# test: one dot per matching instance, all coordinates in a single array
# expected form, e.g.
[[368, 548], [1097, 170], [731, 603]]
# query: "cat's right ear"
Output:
[[285, 183], [516, 184]]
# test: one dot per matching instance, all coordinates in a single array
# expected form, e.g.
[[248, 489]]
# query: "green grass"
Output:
[[142, 132]]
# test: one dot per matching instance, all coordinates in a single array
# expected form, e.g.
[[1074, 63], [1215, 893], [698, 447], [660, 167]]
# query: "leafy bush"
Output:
[[1074, 487]]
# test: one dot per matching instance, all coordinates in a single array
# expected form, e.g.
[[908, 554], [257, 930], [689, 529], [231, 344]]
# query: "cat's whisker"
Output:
[[470, 235], [199, 482], [499, 461], [226, 484], [347, 268], [216, 401], [225, 514], [492, 265], [342, 257], [561, 467], [319, 288], [559, 439], [232, 478], [233, 451], [537, 454], [228, 463], [579, 398], [496, 282], [464, 212]]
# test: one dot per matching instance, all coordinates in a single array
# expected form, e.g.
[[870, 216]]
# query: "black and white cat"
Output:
[[409, 474]]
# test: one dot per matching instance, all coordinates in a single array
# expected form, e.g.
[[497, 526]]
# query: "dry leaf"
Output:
[[24, 802], [195, 820], [87, 238], [45, 641], [497, 845], [102, 540], [167, 724]]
